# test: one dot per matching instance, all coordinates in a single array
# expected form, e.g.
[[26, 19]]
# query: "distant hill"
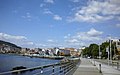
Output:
[[9, 44]]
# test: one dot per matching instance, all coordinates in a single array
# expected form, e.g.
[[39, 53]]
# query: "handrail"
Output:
[[64, 67]]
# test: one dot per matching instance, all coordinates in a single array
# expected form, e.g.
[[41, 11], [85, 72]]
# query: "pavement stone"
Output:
[[86, 68], [106, 69]]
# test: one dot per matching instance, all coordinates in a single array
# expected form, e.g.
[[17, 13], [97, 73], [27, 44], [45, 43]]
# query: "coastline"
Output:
[[38, 56]]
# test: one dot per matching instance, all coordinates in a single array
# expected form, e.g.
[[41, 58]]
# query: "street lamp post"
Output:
[[107, 50], [110, 52], [99, 52]]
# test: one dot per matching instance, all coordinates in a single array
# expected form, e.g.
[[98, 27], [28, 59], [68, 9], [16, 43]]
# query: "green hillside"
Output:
[[8, 44]]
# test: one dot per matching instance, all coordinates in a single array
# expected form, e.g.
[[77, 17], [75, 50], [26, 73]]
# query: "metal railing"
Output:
[[61, 68], [115, 64]]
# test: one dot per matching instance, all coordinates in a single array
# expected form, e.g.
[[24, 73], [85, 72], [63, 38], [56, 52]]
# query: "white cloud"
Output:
[[57, 17], [18, 40], [75, 1], [96, 11], [27, 16], [41, 45], [72, 41], [115, 1], [7, 36], [30, 43], [42, 5], [24, 42], [49, 1], [47, 11], [50, 40], [94, 32], [118, 18], [67, 36], [84, 38], [117, 25]]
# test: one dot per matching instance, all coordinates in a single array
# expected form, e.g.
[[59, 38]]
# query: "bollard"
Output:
[[100, 68], [53, 70], [112, 63], [64, 69], [60, 68], [41, 70], [117, 65], [18, 73], [94, 63]]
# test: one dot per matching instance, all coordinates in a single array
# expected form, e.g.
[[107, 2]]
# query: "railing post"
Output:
[[112, 64], [41, 70], [60, 68], [100, 68], [67, 67], [19, 73], [53, 70], [64, 68], [117, 65], [94, 62]]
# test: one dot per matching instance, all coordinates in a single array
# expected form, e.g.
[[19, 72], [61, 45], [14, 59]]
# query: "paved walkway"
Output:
[[86, 68], [107, 70]]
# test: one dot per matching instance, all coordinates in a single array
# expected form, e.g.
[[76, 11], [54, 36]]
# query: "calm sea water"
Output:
[[8, 61]]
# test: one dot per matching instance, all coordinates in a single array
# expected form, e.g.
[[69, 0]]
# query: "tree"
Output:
[[94, 48], [103, 47], [91, 51], [85, 52]]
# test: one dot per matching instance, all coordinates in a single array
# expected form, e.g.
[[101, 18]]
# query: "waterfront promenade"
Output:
[[106, 70], [86, 68]]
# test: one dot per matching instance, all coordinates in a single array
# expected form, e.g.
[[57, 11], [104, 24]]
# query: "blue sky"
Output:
[[59, 23]]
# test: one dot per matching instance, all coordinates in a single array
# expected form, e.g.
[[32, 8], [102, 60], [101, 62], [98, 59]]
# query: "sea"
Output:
[[9, 61]]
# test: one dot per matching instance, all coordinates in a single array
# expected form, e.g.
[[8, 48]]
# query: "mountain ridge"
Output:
[[2, 43]]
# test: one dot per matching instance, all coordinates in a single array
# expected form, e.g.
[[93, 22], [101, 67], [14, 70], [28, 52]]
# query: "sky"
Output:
[[59, 23]]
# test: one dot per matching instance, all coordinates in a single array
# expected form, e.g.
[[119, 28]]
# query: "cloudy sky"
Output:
[[59, 23]]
